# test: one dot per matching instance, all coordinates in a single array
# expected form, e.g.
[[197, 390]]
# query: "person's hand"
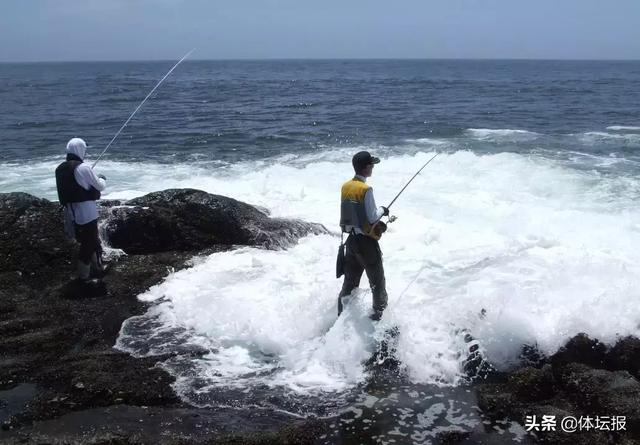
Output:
[[101, 176], [385, 211]]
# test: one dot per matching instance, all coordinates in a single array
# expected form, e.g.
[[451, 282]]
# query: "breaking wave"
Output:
[[517, 238]]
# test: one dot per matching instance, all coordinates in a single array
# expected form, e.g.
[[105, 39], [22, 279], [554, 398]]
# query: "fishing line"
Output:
[[390, 204], [141, 104]]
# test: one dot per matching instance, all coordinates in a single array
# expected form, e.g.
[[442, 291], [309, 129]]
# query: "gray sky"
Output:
[[52, 30]]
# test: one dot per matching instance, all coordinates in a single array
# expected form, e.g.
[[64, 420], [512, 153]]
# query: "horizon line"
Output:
[[284, 59]]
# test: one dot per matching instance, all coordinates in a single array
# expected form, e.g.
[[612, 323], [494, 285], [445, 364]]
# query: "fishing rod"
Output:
[[393, 218], [412, 178], [140, 106]]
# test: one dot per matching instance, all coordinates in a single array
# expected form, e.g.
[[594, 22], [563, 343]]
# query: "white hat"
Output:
[[78, 147]]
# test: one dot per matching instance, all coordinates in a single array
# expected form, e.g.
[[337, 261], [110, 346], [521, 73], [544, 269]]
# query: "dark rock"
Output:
[[34, 247], [452, 437], [475, 366], [384, 356], [108, 203], [169, 425], [532, 384], [495, 401], [532, 356], [187, 219], [580, 349], [57, 336], [625, 355], [604, 393], [573, 384]]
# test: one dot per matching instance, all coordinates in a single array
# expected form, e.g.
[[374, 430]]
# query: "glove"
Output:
[[101, 176], [385, 211]]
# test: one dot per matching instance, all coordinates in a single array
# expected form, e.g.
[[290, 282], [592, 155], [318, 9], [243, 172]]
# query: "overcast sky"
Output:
[[53, 30]]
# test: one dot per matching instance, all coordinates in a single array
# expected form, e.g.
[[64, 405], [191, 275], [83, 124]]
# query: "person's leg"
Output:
[[375, 273], [353, 270], [87, 236], [97, 268], [372, 258]]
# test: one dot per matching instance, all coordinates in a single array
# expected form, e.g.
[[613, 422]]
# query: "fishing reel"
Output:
[[380, 227]]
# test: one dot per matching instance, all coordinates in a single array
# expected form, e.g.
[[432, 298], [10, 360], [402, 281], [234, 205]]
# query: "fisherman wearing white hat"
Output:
[[78, 189]]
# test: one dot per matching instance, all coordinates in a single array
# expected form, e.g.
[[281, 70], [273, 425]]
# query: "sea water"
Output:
[[523, 231]]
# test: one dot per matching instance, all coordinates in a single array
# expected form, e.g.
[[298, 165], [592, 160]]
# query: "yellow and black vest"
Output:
[[352, 210]]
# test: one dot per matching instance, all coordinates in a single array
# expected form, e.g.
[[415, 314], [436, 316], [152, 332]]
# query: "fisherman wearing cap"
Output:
[[78, 189], [360, 218]]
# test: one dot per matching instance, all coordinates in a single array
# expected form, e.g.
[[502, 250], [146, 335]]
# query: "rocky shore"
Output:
[[61, 381], [584, 380]]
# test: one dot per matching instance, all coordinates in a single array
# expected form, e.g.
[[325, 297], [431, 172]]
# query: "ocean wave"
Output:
[[507, 233], [301, 105], [518, 236], [592, 137], [501, 134], [428, 141], [623, 128]]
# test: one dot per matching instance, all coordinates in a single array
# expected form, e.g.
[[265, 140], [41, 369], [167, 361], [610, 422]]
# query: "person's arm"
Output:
[[373, 213], [87, 178]]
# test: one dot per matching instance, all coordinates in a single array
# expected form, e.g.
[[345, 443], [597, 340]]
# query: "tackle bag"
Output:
[[340, 259]]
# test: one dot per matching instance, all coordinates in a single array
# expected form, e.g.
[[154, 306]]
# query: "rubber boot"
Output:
[[376, 315], [97, 268], [84, 271]]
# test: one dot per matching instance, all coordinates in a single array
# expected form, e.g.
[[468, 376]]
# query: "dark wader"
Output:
[[363, 254], [87, 236]]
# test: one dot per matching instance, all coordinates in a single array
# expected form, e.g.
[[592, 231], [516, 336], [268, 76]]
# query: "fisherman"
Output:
[[360, 218], [78, 189]]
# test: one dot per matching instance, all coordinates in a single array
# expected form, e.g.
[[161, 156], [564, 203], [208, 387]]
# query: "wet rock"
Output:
[[57, 336], [604, 393], [452, 437], [532, 384], [625, 355], [495, 400], [580, 349], [170, 425], [532, 356], [32, 241], [187, 219], [573, 382]]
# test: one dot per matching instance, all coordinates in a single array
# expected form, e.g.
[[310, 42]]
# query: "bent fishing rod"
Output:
[[412, 178], [379, 226], [140, 106], [407, 185]]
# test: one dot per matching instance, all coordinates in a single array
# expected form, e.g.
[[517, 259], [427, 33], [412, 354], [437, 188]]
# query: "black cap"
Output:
[[362, 159]]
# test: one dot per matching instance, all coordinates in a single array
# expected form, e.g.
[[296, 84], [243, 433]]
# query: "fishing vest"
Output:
[[68, 188], [352, 210]]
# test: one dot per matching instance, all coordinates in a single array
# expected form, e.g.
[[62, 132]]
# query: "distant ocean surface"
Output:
[[531, 212], [233, 111]]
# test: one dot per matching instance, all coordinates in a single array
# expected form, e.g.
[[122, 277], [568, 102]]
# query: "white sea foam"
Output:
[[435, 142], [547, 251], [623, 128], [593, 137], [501, 135]]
